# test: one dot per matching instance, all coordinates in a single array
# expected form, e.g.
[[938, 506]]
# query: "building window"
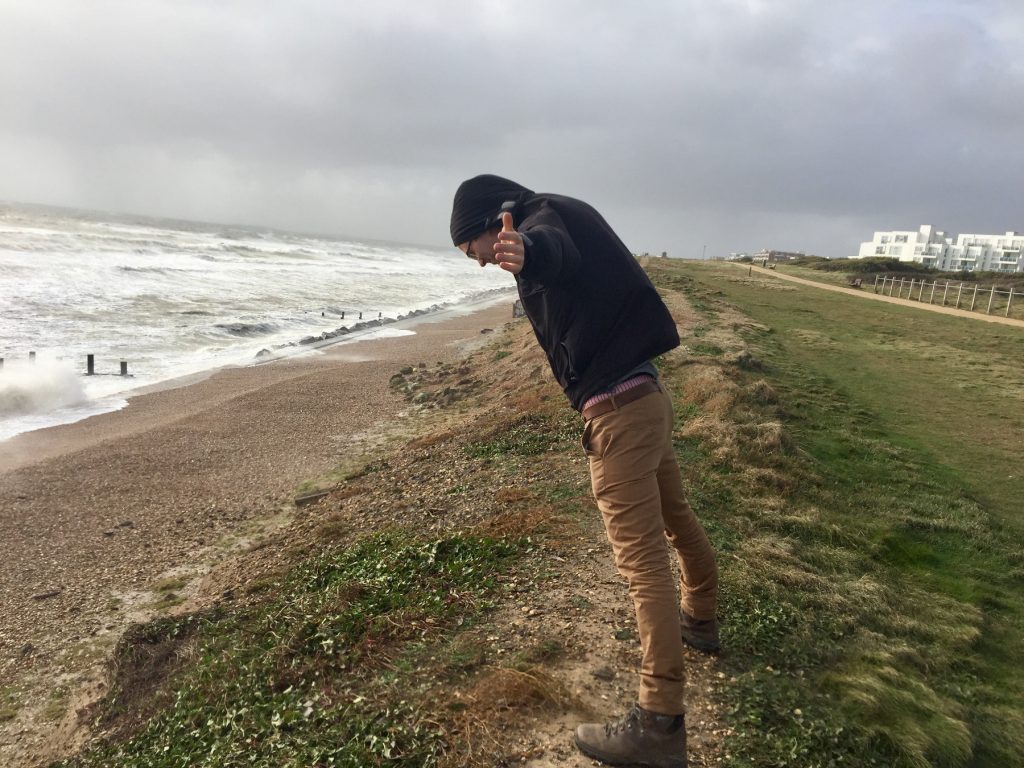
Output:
[[880, 250], [901, 238], [896, 250], [885, 239]]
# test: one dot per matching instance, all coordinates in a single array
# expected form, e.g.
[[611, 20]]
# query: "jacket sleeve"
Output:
[[551, 256]]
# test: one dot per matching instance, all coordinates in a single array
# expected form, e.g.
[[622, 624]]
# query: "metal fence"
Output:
[[970, 297]]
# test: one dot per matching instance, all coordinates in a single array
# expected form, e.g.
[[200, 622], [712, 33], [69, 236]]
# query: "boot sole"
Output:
[[710, 648], [597, 754]]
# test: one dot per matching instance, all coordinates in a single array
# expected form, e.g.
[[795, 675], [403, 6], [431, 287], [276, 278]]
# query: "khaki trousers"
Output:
[[639, 491]]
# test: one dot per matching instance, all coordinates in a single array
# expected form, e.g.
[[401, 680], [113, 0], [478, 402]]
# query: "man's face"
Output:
[[481, 247]]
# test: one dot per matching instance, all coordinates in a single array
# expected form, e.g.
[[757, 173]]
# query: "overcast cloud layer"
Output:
[[735, 124]]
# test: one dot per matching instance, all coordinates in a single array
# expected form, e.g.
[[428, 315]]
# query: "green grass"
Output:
[[842, 272], [526, 436], [874, 607], [307, 676]]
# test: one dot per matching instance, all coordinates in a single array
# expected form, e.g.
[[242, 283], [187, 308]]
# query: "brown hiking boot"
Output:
[[702, 634], [641, 739]]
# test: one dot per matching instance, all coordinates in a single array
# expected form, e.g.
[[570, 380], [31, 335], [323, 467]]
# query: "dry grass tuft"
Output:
[[765, 438], [495, 703], [348, 490], [719, 436], [509, 495], [334, 527], [518, 523], [432, 438], [708, 388], [506, 689], [762, 479], [761, 393]]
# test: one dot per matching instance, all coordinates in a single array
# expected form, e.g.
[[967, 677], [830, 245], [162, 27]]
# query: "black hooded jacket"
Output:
[[593, 309]]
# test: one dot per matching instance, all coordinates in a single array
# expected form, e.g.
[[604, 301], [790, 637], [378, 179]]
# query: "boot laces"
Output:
[[625, 723]]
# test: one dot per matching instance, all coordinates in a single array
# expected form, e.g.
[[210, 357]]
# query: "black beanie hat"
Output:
[[478, 204]]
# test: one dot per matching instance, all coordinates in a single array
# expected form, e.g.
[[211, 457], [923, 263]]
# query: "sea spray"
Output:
[[45, 385], [174, 298]]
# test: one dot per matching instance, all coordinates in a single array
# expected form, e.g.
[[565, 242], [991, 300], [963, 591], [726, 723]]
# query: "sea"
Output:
[[176, 298]]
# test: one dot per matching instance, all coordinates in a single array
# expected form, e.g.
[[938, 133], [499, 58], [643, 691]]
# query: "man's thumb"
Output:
[[506, 222]]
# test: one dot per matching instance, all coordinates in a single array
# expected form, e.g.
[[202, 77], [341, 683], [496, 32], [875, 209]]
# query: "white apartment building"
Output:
[[933, 248]]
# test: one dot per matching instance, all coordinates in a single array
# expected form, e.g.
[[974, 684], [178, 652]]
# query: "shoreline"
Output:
[[361, 332], [98, 513]]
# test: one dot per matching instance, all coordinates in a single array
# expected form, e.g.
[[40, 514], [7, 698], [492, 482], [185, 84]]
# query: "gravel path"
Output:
[[96, 518], [868, 293]]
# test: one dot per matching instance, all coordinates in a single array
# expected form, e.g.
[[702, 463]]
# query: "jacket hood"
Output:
[[478, 204]]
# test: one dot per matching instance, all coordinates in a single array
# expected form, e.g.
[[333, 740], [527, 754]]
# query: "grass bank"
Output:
[[865, 476], [855, 465]]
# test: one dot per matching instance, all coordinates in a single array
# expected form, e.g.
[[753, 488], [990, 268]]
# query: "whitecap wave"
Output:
[[27, 388]]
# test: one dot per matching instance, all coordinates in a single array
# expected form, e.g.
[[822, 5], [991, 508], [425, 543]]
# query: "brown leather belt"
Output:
[[617, 401]]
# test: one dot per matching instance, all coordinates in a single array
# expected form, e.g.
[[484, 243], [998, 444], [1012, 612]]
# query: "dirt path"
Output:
[[591, 613], [110, 519], [866, 293]]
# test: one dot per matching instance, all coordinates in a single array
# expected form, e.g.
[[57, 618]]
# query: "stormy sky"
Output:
[[730, 124]]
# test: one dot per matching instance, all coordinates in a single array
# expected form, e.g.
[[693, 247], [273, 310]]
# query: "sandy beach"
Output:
[[93, 514]]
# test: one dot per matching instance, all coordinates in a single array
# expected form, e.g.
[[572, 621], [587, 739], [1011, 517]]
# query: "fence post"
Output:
[[931, 296], [910, 290], [876, 283], [958, 292], [1009, 301], [944, 292], [920, 295], [974, 298], [991, 298]]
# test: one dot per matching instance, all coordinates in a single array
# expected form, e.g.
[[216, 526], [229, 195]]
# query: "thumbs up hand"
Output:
[[508, 250]]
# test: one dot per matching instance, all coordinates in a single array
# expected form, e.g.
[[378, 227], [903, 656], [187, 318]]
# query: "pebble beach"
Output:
[[94, 514]]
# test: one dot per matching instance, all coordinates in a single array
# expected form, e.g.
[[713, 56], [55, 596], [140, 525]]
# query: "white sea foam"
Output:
[[174, 298], [32, 388]]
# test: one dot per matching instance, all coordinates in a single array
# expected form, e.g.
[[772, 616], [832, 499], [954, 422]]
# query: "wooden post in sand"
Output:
[[1009, 301], [991, 297], [31, 357], [90, 365], [974, 298], [958, 292], [931, 296], [124, 367], [1, 363], [944, 292]]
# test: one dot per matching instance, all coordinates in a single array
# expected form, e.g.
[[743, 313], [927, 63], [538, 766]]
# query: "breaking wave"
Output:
[[38, 387]]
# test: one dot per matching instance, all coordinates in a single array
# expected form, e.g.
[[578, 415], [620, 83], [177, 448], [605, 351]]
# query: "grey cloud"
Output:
[[798, 122]]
